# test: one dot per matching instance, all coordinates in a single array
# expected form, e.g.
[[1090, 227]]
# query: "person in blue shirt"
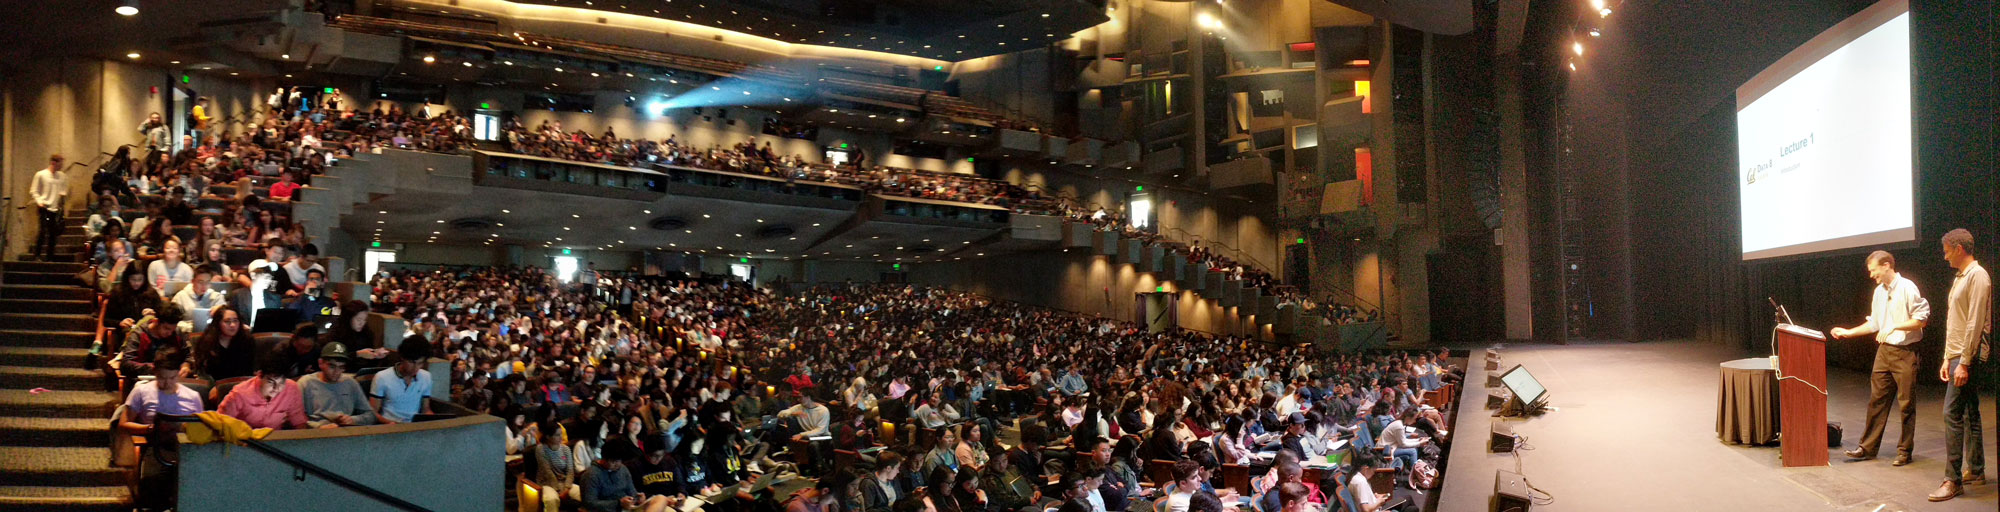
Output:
[[403, 391], [1071, 383]]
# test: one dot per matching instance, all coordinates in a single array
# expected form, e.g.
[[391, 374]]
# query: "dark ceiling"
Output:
[[160, 32], [954, 30]]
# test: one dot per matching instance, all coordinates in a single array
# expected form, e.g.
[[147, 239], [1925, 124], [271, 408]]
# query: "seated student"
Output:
[[169, 268], [555, 471], [256, 295], [146, 338], [1292, 498], [658, 473], [403, 391], [1006, 488], [225, 350], [143, 406], [268, 401], [311, 302], [1399, 440], [198, 295], [1365, 497], [879, 492], [303, 350], [821, 497], [607, 485], [332, 399]]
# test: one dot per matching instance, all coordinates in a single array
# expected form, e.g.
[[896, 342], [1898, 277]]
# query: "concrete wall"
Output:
[[1182, 214], [1075, 281], [446, 465]]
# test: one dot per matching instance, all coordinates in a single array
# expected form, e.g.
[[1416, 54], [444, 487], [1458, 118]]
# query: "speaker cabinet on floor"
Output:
[[1510, 492], [1503, 438]]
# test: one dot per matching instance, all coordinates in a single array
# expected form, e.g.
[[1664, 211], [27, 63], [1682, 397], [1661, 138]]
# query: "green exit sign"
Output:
[[328, 90], [1302, 240], [375, 244], [937, 68], [185, 79], [487, 106], [1140, 188], [843, 145], [565, 251], [897, 266], [968, 159], [1160, 289], [742, 260]]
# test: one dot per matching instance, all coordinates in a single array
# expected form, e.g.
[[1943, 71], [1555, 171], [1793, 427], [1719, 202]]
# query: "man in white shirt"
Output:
[[1364, 494], [50, 187], [295, 270], [1897, 319]]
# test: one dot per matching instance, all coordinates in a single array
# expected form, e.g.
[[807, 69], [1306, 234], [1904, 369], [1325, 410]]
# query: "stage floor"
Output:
[[1634, 430]]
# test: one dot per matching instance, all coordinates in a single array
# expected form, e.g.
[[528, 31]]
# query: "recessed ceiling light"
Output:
[[129, 8], [133, 55], [429, 59]]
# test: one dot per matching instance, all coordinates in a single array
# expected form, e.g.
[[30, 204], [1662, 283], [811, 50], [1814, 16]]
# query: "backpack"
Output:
[[1424, 476]]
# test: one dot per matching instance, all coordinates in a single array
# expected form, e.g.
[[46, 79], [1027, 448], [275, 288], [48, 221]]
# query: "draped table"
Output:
[[1746, 406]]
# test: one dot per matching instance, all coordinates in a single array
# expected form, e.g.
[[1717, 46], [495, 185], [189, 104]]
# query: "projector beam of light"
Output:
[[723, 93]]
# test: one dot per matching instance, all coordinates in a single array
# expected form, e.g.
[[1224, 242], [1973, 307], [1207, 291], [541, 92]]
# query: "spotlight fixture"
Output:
[[1577, 46], [1604, 13], [1595, 33], [127, 8]]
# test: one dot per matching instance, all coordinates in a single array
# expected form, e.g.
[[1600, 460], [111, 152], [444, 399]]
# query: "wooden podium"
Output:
[[1802, 409]]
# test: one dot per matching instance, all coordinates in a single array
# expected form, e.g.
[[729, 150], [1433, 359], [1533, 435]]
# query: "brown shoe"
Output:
[[1946, 492], [1979, 479]]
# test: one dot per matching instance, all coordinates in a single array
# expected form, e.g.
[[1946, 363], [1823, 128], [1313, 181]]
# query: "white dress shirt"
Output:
[[49, 188], [1895, 304]]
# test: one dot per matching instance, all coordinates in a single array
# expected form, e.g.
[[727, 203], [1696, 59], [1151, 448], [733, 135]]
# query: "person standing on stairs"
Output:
[[50, 188]]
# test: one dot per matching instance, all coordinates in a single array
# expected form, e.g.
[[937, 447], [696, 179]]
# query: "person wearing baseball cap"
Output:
[[332, 398]]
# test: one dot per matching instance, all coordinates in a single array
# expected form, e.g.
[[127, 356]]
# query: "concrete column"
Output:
[[1515, 278]]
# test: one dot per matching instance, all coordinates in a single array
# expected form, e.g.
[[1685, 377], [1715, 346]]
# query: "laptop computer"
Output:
[[275, 320], [200, 317]]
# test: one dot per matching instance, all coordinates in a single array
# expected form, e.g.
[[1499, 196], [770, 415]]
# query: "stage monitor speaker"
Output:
[[1503, 438], [1493, 381], [1496, 398], [1492, 365], [1510, 492]]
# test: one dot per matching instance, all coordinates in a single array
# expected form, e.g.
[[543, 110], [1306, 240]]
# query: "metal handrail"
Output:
[[1240, 255]]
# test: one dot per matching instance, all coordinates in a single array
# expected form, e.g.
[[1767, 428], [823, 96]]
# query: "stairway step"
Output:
[[45, 357], [25, 277], [70, 307], [44, 266], [71, 499], [58, 404], [51, 339], [79, 432], [47, 322], [62, 379], [46, 292], [58, 466]]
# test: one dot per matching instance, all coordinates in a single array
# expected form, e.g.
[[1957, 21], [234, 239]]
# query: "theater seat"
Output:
[[221, 389], [1161, 472], [1237, 476]]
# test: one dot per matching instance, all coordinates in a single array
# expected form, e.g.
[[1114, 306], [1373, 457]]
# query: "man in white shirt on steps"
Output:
[[50, 188]]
